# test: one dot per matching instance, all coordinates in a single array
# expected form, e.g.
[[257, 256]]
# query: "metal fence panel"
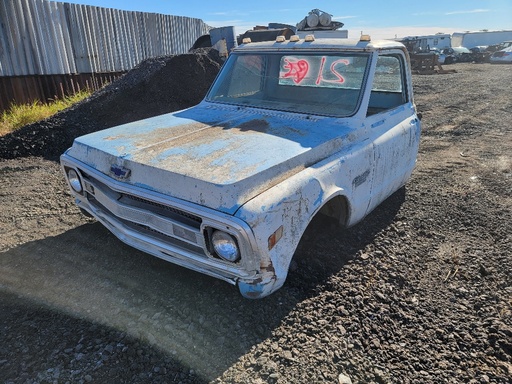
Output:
[[39, 37]]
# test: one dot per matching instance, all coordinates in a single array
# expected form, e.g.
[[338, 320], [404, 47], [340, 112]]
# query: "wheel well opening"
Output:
[[337, 209], [333, 215]]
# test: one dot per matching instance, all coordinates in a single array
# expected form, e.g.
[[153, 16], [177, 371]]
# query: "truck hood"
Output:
[[214, 155]]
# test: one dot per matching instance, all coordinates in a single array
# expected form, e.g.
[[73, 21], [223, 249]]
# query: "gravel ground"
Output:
[[419, 292]]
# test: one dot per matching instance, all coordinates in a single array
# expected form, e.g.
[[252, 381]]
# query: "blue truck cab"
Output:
[[289, 129]]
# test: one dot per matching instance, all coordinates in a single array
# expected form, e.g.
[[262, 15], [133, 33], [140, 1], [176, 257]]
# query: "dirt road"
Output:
[[419, 292]]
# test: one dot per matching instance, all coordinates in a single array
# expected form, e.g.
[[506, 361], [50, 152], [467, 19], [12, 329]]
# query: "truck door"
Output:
[[393, 127]]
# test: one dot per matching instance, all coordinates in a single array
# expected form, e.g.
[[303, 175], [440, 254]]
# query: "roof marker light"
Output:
[[309, 38], [294, 38], [365, 38], [246, 40], [280, 39]]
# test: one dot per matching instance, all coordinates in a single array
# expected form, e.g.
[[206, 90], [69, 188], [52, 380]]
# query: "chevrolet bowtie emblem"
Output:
[[119, 172]]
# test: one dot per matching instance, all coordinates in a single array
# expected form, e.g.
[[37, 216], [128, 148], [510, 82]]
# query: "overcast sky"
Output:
[[381, 19]]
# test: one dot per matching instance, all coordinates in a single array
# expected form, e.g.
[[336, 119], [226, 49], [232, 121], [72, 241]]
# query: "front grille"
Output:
[[179, 229], [160, 209], [163, 237]]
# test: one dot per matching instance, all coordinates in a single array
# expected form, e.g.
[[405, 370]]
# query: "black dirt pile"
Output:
[[156, 86]]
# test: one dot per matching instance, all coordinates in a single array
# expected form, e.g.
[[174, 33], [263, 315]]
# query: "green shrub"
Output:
[[19, 115]]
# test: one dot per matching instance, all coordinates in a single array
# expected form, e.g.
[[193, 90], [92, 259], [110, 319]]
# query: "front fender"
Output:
[[279, 216]]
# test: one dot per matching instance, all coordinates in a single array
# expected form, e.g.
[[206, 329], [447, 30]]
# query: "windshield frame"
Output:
[[339, 101]]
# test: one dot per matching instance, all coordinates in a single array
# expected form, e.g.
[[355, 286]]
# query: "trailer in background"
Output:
[[480, 38], [427, 43]]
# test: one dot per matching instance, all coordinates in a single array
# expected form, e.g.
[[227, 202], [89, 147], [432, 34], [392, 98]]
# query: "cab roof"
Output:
[[321, 44]]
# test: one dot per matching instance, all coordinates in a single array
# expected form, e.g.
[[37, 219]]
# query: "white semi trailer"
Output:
[[479, 38]]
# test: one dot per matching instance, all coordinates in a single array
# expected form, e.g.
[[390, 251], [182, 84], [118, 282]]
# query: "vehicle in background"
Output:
[[506, 44], [456, 55], [478, 38], [422, 44], [440, 56], [504, 56], [498, 47], [480, 54]]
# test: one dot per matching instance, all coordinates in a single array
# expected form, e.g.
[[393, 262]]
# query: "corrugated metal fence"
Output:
[[50, 40]]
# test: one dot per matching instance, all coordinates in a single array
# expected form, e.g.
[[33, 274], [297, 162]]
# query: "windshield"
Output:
[[322, 84]]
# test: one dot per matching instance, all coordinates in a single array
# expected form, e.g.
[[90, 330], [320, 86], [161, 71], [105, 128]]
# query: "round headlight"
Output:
[[225, 246], [74, 181]]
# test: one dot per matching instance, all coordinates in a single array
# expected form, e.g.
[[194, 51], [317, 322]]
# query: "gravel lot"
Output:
[[419, 292]]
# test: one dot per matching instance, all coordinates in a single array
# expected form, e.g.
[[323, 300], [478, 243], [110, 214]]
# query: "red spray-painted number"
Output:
[[340, 79], [298, 70]]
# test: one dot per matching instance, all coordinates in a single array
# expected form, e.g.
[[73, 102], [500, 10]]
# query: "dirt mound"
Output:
[[156, 86]]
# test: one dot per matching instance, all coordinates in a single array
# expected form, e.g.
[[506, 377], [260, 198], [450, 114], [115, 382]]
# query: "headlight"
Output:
[[74, 181], [225, 246]]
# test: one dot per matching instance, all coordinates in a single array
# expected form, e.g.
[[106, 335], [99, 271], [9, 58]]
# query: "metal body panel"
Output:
[[396, 142], [259, 175], [292, 204], [216, 156]]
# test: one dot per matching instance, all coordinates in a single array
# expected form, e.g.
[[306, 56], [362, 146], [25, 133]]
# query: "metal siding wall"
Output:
[[62, 37], [21, 48], [38, 37], [25, 89], [6, 62], [77, 33]]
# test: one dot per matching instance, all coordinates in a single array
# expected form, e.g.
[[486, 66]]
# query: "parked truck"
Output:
[[289, 130]]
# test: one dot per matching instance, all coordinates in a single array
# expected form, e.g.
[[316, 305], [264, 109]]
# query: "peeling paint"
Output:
[[378, 123], [319, 199], [234, 161]]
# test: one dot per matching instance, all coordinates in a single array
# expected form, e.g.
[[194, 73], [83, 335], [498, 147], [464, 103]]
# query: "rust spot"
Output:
[[258, 125], [158, 135], [267, 266], [184, 134]]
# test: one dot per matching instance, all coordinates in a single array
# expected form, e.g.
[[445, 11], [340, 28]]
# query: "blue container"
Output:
[[227, 33]]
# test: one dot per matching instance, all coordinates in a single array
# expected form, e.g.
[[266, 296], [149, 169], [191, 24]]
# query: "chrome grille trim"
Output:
[[165, 207], [107, 199]]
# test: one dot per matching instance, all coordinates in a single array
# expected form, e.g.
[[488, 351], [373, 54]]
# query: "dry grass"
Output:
[[19, 115]]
